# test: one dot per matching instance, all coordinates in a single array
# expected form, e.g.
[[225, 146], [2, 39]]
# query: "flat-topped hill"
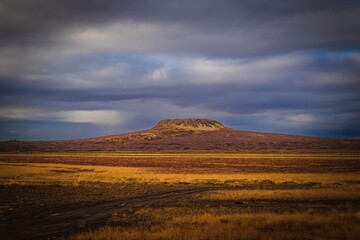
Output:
[[191, 134], [190, 124]]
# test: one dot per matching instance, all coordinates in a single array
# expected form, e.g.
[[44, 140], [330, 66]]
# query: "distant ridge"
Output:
[[190, 135]]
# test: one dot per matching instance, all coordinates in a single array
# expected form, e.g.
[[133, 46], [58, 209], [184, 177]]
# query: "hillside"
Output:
[[189, 135]]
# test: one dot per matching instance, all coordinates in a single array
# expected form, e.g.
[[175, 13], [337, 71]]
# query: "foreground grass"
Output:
[[64, 174], [203, 217], [235, 226], [344, 192]]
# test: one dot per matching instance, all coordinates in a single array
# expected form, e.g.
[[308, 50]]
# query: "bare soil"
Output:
[[54, 211]]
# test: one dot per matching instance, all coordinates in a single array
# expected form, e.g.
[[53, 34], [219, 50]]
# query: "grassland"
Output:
[[179, 196], [217, 226], [202, 162], [66, 174]]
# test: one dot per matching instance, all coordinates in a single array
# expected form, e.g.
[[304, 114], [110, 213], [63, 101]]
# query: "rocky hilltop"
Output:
[[190, 124], [170, 128]]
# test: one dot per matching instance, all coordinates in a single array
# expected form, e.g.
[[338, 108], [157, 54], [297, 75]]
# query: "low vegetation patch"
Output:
[[343, 192], [234, 226], [65, 174]]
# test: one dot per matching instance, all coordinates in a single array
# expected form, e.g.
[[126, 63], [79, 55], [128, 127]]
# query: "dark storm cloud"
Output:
[[298, 88], [211, 28]]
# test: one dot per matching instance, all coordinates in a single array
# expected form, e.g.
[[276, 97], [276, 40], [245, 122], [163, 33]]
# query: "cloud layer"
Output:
[[105, 67]]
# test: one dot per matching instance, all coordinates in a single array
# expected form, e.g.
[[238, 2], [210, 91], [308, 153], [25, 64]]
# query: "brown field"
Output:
[[179, 196], [203, 162]]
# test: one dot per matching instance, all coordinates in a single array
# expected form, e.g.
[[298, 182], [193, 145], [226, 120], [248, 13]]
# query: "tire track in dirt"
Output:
[[54, 224]]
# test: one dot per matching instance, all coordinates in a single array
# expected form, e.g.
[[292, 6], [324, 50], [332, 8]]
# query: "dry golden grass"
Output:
[[343, 192], [219, 224], [236, 226], [36, 173]]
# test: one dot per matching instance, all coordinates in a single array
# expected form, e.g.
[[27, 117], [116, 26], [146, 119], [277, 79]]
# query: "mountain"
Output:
[[171, 128], [190, 135]]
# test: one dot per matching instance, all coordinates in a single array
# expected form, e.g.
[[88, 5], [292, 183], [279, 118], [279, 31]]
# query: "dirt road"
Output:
[[54, 223]]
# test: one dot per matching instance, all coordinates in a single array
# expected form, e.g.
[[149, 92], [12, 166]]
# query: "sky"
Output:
[[84, 68]]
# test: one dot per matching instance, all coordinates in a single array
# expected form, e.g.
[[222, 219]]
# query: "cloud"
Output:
[[101, 117], [198, 28], [302, 118]]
